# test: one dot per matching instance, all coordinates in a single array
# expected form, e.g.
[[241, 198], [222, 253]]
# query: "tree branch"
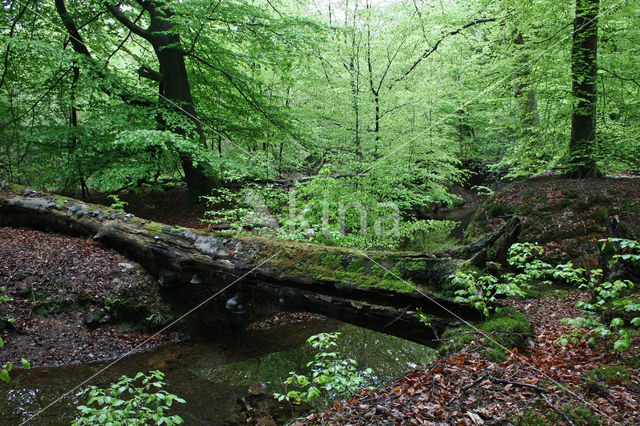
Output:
[[122, 18], [146, 72], [74, 34], [619, 77], [429, 51]]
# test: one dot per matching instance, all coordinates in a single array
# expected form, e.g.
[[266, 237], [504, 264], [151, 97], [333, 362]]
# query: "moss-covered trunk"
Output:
[[180, 257]]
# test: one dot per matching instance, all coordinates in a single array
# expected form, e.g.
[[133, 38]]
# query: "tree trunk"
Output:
[[173, 79], [584, 68], [527, 104], [175, 93], [334, 281]]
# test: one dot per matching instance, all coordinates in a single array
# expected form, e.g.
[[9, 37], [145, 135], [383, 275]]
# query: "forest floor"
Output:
[[566, 216], [543, 383], [62, 298]]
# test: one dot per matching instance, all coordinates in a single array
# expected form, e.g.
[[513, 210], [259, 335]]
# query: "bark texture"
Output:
[[584, 70], [370, 289]]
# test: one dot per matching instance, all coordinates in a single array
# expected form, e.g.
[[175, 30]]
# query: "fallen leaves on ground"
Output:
[[53, 284], [468, 389]]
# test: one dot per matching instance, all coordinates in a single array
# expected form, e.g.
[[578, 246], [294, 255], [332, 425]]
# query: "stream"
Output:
[[217, 377]]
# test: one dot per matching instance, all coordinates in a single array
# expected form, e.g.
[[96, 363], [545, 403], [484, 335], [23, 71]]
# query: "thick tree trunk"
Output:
[[334, 281], [174, 86], [175, 93], [584, 68]]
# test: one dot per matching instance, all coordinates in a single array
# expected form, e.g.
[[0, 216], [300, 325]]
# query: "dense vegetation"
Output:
[[385, 97]]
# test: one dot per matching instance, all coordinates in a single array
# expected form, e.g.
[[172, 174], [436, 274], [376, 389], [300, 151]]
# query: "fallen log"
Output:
[[182, 257]]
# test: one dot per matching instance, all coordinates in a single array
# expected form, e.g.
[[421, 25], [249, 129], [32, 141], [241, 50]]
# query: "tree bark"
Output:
[[584, 69], [333, 280], [174, 86]]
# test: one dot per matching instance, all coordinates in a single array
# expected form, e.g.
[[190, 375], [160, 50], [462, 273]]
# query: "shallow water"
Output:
[[213, 375]]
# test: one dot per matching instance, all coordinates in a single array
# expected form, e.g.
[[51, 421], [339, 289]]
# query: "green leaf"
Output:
[[25, 364], [4, 376], [617, 322], [621, 345]]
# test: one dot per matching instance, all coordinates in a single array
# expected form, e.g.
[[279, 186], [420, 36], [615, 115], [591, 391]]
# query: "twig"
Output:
[[475, 382], [556, 410], [511, 382], [399, 316], [467, 387]]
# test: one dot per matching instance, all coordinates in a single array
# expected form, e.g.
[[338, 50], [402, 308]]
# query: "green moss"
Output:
[[571, 192], [547, 417], [507, 329], [631, 207], [611, 374], [153, 227], [333, 264], [542, 198], [496, 208], [529, 195]]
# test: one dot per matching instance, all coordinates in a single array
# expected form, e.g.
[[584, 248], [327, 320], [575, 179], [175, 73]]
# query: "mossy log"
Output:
[[183, 257]]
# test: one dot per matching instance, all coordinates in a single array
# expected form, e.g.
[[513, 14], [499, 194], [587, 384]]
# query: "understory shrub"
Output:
[[130, 401], [610, 310], [337, 212], [330, 373]]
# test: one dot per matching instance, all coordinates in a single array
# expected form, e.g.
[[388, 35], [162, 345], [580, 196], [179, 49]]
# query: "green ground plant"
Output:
[[6, 368], [130, 401], [331, 374], [610, 310], [482, 290]]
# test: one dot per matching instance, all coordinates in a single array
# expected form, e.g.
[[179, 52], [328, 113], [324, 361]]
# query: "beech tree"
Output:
[[584, 73]]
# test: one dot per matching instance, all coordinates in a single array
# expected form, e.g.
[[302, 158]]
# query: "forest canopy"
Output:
[[394, 95]]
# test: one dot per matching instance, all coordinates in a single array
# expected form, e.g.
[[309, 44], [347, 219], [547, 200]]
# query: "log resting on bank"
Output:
[[375, 289]]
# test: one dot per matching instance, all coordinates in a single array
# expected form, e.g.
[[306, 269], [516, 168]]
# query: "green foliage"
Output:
[[330, 373], [482, 291], [117, 203], [610, 311], [389, 112], [6, 368], [130, 401], [344, 212], [524, 256], [631, 247]]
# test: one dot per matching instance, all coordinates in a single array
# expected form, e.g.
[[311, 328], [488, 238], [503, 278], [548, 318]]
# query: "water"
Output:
[[217, 377]]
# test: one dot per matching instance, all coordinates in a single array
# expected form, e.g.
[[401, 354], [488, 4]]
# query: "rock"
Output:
[[126, 265]]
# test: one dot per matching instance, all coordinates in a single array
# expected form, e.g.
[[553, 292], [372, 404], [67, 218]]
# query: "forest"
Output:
[[320, 212]]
